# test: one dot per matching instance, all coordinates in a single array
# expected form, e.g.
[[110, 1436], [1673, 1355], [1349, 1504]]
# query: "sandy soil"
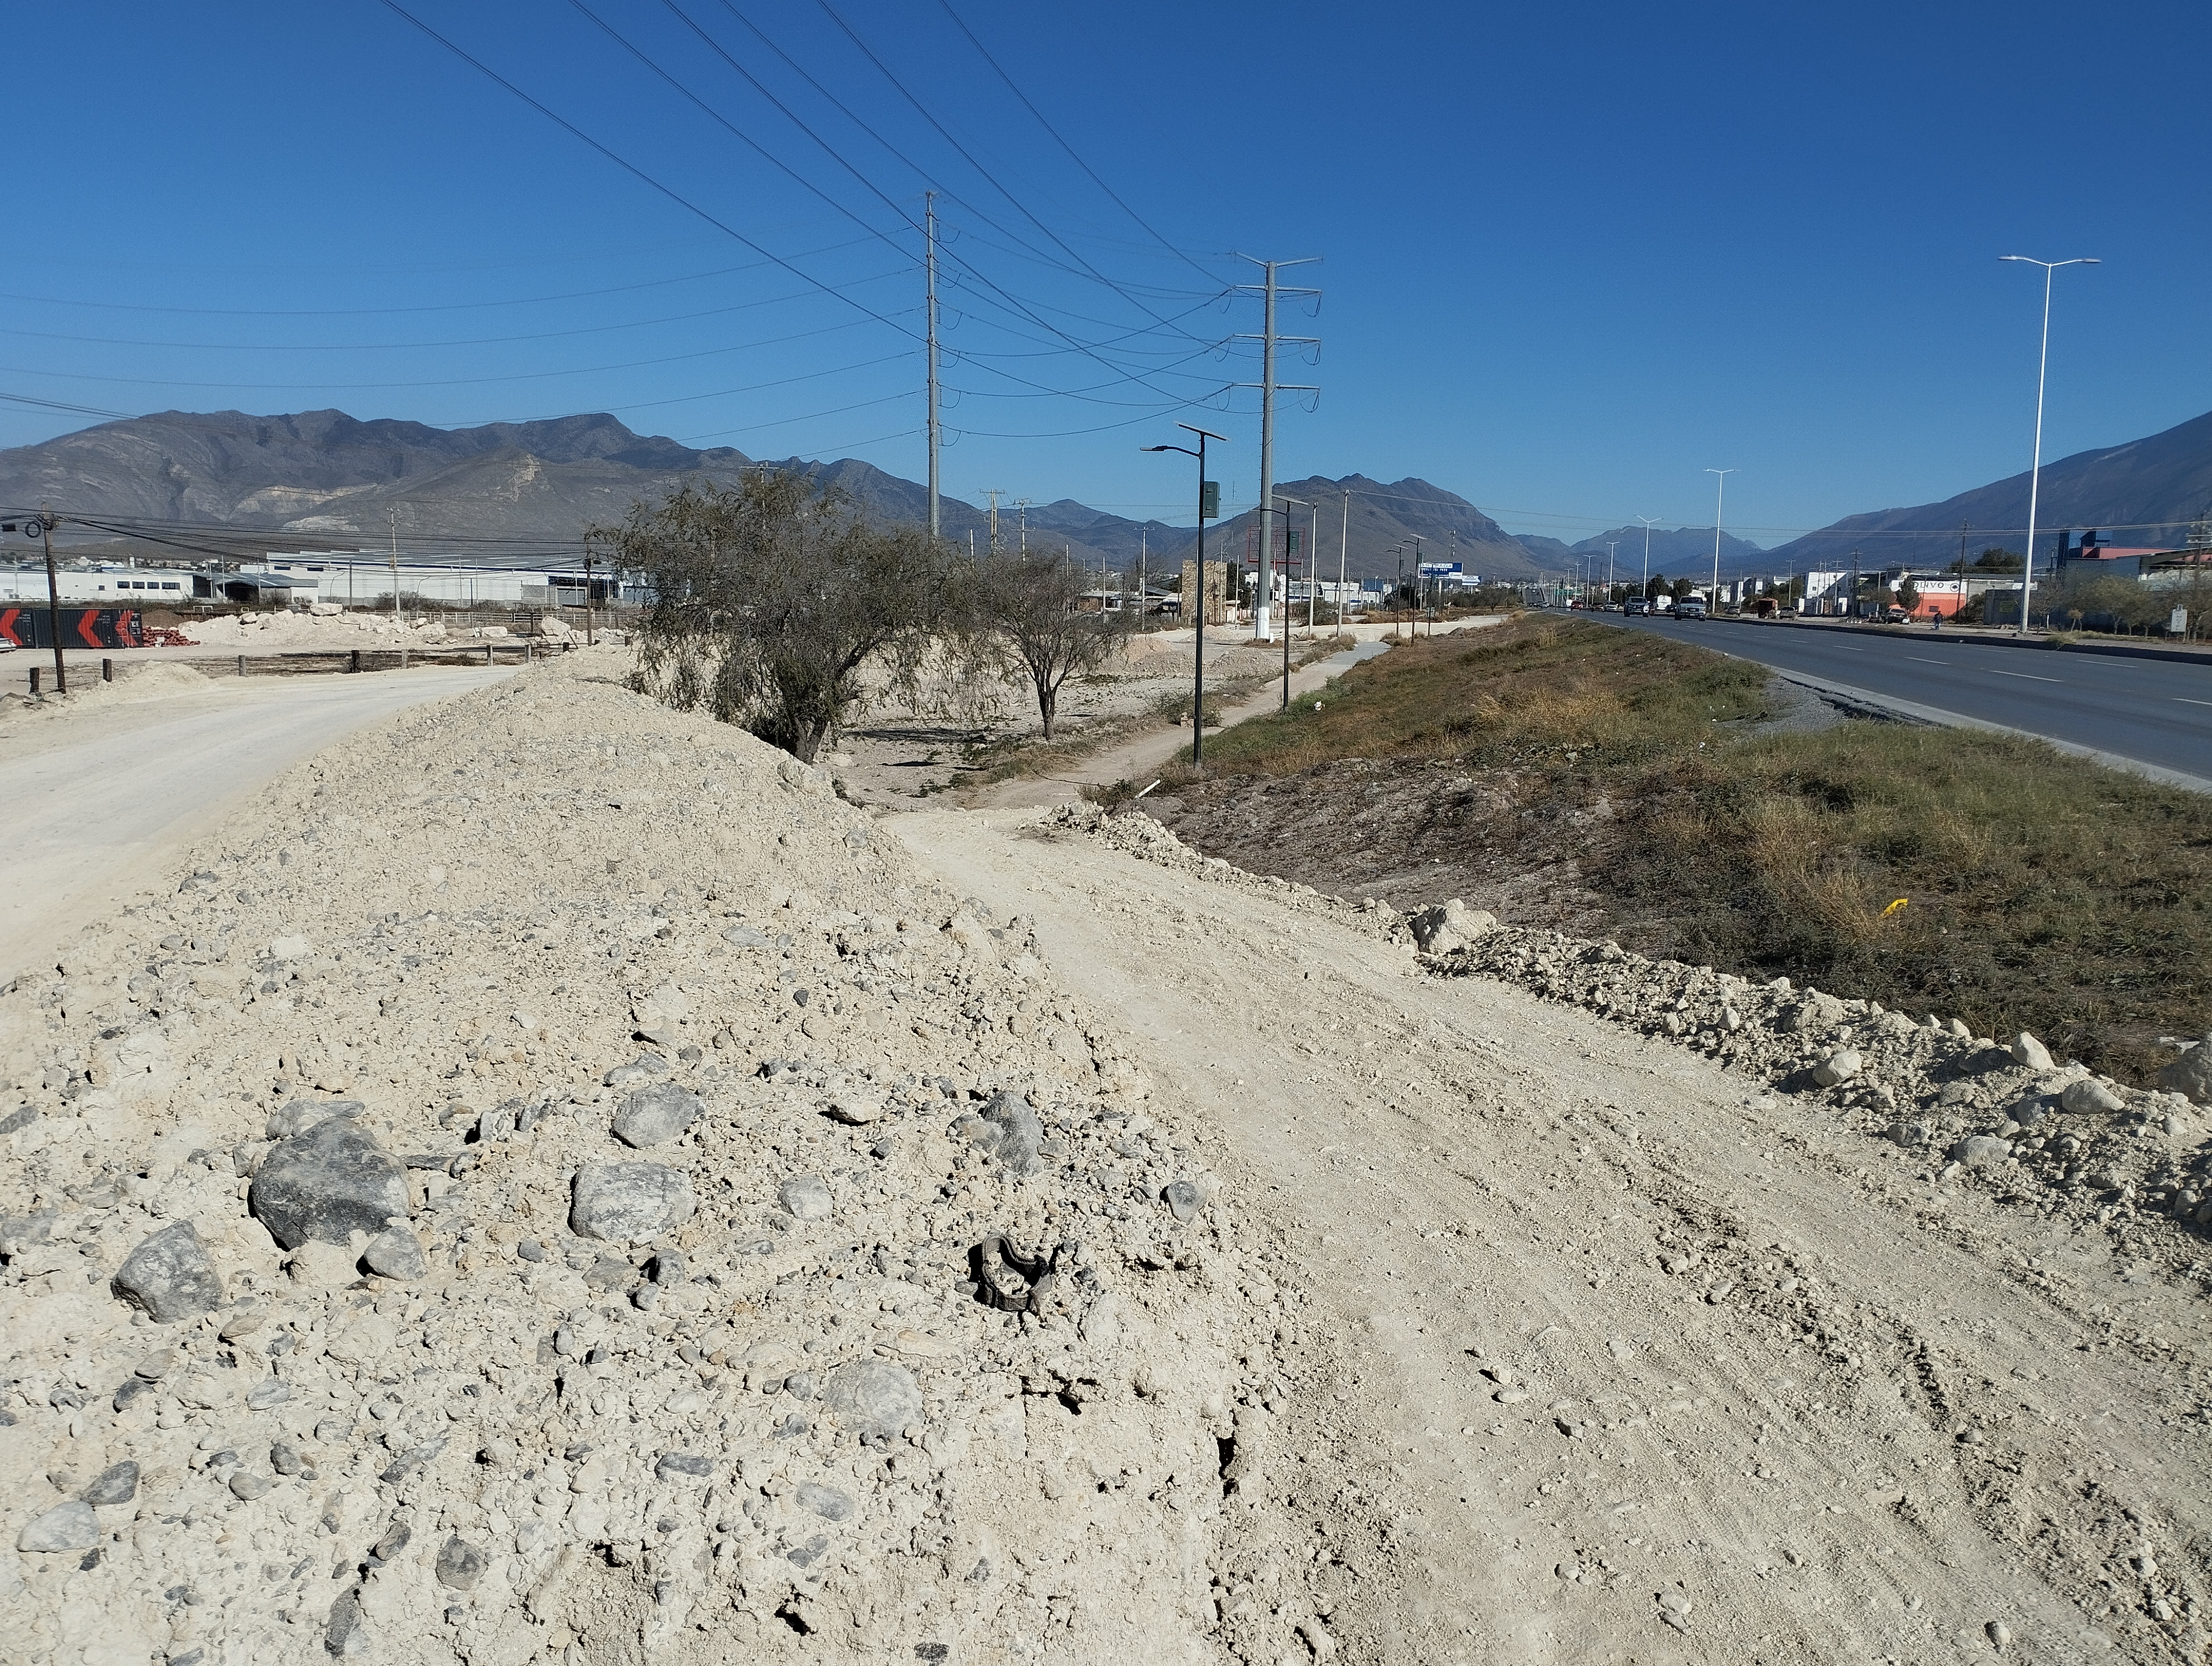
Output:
[[101, 786], [1646, 1363]]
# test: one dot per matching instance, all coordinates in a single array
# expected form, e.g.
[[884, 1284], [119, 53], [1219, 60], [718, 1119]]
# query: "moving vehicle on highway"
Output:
[[1690, 607], [1636, 606]]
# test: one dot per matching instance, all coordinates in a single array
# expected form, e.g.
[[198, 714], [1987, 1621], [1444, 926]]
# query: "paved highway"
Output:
[[2154, 711]]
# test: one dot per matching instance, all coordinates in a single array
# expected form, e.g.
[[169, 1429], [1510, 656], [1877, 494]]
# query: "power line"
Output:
[[1063, 144]]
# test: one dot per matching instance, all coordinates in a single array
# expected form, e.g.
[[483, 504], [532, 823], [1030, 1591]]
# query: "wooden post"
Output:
[[107, 670], [241, 665], [356, 660], [35, 679]]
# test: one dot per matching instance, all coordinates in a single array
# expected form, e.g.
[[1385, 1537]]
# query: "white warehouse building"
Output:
[[96, 586], [364, 579]]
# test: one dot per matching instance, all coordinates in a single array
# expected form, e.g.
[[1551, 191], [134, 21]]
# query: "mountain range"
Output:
[[522, 494], [2144, 493]]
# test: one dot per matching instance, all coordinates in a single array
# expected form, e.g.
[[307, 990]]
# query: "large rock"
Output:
[[66, 1527], [1982, 1151], [170, 1276], [1450, 925], [806, 1197], [2030, 1052], [326, 1184], [1838, 1068], [873, 1397], [1009, 1130], [629, 1202], [2087, 1094], [2192, 1073], [656, 1113]]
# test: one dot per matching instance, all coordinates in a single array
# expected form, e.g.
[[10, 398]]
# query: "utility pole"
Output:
[[391, 513], [1269, 340], [1022, 504], [1313, 558], [1420, 587], [929, 233], [1343, 544], [1610, 547], [46, 523], [993, 492], [1143, 552], [1855, 584], [1719, 496], [1961, 607], [1648, 520]]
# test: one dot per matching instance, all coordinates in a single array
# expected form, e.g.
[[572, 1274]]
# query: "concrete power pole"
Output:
[[391, 515], [1268, 386], [929, 224], [1343, 544], [1022, 504], [992, 492]]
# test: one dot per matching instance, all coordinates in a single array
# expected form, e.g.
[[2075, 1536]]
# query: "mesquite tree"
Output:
[[771, 602], [1032, 616]]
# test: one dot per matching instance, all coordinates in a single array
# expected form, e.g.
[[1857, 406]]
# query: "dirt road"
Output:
[[1634, 1360], [93, 795]]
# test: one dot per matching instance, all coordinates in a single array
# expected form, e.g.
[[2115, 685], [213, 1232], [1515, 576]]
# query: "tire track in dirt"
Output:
[[1639, 1359]]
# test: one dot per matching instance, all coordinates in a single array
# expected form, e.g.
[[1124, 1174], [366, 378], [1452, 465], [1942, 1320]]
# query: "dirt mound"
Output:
[[553, 1178]]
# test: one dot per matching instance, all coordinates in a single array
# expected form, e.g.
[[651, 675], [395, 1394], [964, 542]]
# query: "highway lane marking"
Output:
[[2186, 701], [2026, 676], [1927, 662]]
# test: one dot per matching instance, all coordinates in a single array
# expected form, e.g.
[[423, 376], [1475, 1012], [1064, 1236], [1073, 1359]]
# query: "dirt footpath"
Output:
[[1613, 1353]]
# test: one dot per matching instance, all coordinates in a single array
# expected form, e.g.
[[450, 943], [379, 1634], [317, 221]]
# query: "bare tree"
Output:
[[1034, 616], [771, 602]]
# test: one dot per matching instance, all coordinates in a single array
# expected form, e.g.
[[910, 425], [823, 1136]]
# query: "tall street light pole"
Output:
[[1209, 504], [2035, 468], [1288, 536], [1648, 521], [1719, 496]]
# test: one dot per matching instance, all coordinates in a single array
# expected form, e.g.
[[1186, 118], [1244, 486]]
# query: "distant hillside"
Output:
[[522, 493], [2142, 492], [1383, 515], [1682, 549]]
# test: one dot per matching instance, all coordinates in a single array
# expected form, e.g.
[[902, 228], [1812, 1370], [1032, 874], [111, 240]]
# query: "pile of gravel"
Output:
[[555, 1182]]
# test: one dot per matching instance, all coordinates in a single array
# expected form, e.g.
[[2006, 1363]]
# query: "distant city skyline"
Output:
[[1571, 261]]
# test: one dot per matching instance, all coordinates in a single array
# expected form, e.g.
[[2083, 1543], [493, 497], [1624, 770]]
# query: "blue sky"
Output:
[[1573, 255]]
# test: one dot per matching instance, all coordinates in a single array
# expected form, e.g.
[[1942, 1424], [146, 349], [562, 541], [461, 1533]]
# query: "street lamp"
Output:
[[1720, 495], [2035, 468], [1648, 522], [1209, 498], [1265, 579]]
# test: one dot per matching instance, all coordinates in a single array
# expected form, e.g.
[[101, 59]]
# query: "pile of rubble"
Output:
[[556, 1184]]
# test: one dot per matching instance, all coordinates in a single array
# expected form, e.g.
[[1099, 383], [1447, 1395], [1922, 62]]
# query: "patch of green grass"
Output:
[[2039, 892]]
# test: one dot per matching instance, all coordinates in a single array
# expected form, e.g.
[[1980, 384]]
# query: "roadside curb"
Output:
[[1911, 711], [2186, 656]]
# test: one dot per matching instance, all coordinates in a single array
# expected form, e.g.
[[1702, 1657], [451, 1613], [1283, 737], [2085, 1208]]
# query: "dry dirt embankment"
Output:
[[531, 1192], [1649, 1358]]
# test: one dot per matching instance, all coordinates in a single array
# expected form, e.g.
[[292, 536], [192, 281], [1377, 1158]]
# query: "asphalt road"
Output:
[[2152, 711], [97, 799]]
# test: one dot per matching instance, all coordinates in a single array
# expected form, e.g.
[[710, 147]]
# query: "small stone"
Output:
[[346, 1635], [1839, 1068], [2090, 1095], [1982, 1151], [683, 1463], [290, 948], [397, 1253], [832, 1503], [1184, 1199], [270, 1391], [1009, 1130], [117, 1484], [856, 1110], [2030, 1052], [805, 1197], [460, 1564], [2000, 1635], [1317, 1639], [531, 1250], [873, 1397], [629, 1202], [1510, 1396], [656, 1113], [249, 1487], [326, 1184], [170, 1276], [643, 1068], [799, 1385], [66, 1527], [285, 1460]]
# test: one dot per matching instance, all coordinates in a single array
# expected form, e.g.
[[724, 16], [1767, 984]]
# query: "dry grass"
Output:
[[2040, 892]]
